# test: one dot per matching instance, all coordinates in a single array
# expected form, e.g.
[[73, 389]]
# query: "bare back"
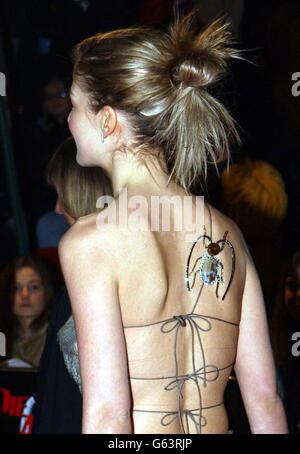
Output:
[[154, 341], [181, 343]]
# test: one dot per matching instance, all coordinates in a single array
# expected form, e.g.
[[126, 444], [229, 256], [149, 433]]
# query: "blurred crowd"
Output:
[[260, 191]]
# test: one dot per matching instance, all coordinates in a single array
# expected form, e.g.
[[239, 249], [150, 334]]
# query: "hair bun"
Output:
[[196, 72], [200, 59]]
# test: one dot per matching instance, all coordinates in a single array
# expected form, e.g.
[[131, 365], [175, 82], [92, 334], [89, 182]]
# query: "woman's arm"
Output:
[[254, 368], [90, 275]]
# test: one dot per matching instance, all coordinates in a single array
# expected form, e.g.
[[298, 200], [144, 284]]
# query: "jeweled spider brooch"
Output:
[[209, 267]]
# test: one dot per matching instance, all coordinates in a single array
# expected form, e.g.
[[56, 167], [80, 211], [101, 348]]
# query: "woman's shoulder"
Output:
[[90, 239], [86, 229], [222, 223]]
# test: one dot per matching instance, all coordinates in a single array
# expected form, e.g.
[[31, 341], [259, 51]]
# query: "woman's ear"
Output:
[[57, 208], [108, 120]]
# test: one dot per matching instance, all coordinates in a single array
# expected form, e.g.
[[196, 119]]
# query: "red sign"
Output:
[[14, 406]]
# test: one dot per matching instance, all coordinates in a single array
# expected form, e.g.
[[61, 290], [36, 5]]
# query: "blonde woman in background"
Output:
[[158, 334], [58, 401]]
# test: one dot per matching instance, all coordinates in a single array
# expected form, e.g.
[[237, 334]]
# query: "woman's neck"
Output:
[[24, 327], [138, 175]]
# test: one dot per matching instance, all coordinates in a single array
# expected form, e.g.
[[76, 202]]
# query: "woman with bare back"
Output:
[[165, 302]]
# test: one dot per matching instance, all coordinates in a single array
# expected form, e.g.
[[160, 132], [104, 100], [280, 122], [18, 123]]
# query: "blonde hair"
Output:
[[162, 81], [78, 187]]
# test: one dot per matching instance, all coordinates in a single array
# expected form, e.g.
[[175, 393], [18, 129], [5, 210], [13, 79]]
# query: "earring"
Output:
[[101, 136], [104, 126]]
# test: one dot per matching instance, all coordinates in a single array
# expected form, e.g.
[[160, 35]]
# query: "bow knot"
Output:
[[199, 321], [195, 415]]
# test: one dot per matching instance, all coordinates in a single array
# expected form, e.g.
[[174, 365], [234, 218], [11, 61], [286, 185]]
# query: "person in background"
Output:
[[28, 288], [252, 189], [292, 288], [58, 407], [285, 328], [42, 139]]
